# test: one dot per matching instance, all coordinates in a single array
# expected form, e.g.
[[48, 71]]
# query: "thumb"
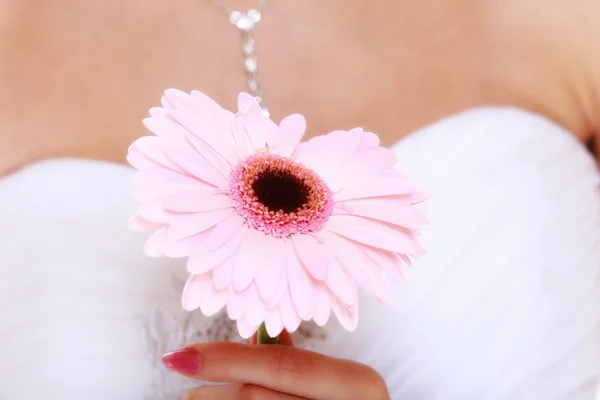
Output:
[[284, 339]]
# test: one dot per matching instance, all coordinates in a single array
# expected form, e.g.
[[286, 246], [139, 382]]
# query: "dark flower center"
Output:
[[280, 190]]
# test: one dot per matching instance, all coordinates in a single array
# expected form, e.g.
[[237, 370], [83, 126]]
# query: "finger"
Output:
[[237, 392], [281, 368], [285, 339]]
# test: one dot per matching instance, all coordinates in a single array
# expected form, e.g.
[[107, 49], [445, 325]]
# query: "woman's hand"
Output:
[[273, 372]]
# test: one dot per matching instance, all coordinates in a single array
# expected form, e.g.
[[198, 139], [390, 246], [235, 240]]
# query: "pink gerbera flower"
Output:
[[276, 230]]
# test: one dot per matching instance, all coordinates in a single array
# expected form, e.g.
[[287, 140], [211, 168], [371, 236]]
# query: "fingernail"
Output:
[[186, 361]]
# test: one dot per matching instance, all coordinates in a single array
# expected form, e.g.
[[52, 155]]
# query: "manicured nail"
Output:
[[186, 361]]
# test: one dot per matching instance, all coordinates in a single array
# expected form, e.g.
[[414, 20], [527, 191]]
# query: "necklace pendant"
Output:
[[245, 21]]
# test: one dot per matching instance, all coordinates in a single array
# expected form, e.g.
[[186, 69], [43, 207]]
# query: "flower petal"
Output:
[[325, 154], [253, 130], [193, 291], [224, 230], [360, 267], [154, 212], [291, 320], [237, 303], [203, 259], [372, 233], [216, 160], [190, 224], [245, 329], [388, 262], [139, 223], [196, 166], [312, 255], [256, 313], [274, 323], [347, 315], [248, 258], [271, 281], [213, 301], [340, 283], [213, 128], [291, 130], [323, 308], [181, 247], [164, 126], [301, 285], [154, 148], [386, 210], [222, 274], [197, 201], [373, 186], [155, 244]]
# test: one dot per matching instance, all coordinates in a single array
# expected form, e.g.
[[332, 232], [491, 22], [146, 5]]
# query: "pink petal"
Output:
[[256, 313], [323, 308], [213, 301], [222, 274], [180, 100], [387, 210], [237, 303], [388, 262], [271, 281], [199, 292], [213, 128], [159, 183], [369, 140], [301, 286], [253, 130], [224, 231], [165, 127], [370, 159], [215, 159], [205, 100], [291, 320], [197, 167], [186, 225], [246, 101], [312, 255], [203, 259], [154, 212], [140, 161], [274, 323], [248, 258], [193, 292], [155, 149], [406, 259], [138, 223], [291, 130], [372, 233], [196, 201], [154, 245], [376, 186], [159, 112], [360, 268], [245, 329], [340, 283], [347, 315], [181, 247], [324, 154]]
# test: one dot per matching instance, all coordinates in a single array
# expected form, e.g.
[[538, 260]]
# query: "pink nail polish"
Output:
[[186, 361]]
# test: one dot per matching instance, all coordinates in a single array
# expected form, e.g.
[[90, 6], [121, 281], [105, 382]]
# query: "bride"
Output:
[[490, 106]]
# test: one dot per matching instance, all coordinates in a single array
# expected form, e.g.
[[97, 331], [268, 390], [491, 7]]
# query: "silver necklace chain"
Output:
[[245, 22]]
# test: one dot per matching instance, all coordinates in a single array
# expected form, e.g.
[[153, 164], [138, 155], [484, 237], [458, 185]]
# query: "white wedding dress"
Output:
[[506, 305]]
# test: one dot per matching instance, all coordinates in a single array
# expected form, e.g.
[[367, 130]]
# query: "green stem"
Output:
[[262, 336]]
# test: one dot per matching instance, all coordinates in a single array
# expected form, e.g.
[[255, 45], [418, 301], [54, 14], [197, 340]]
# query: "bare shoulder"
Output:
[[559, 42]]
